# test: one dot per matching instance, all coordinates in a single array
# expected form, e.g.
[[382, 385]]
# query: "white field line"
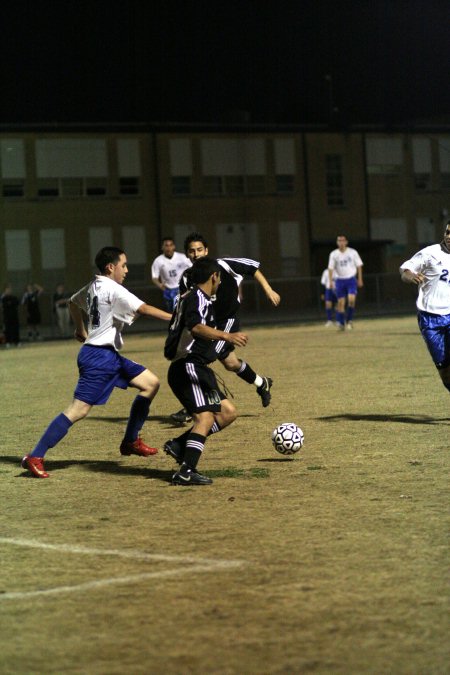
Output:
[[195, 565]]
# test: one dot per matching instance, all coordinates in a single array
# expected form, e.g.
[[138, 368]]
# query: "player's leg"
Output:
[[435, 331], [341, 295], [54, 433], [148, 385]]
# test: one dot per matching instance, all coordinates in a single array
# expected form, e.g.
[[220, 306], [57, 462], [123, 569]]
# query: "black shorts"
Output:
[[195, 386], [231, 325]]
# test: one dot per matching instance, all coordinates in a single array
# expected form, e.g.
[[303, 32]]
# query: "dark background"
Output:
[[387, 61]]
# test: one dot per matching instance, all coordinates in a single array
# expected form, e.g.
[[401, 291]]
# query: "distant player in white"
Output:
[[345, 263], [106, 306], [429, 269], [328, 296], [167, 269]]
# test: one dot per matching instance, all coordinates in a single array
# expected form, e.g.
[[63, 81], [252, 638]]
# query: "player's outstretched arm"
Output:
[[410, 277], [154, 312], [78, 319], [272, 295], [209, 333]]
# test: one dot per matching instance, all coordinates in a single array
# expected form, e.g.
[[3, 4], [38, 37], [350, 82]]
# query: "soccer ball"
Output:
[[287, 438]]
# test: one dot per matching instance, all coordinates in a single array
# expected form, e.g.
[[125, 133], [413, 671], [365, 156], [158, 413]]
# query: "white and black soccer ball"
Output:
[[287, 438]]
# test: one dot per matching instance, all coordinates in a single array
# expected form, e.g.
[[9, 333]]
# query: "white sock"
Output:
[[258, 381]]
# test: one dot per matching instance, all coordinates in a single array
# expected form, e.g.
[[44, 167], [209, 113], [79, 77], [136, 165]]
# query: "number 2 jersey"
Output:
[[434, 293], [109, 306]]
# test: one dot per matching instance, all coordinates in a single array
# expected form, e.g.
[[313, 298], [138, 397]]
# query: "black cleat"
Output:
[[174, 449], [181, 417], [186, 476], [264, 391]]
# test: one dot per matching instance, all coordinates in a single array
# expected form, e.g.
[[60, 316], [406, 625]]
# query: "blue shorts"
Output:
[[169, 295], [100, 370], [435, 329], [346, 287], [330, 296]]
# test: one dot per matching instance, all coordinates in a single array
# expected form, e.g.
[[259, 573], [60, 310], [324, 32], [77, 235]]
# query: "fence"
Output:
[[383, 294]]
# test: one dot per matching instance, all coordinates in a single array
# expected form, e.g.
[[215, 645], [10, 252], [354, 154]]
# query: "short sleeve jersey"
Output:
[[193, 308], [434, 293], [169, 270], [344, 263], [109, 306], [325, 279], [232, 273]]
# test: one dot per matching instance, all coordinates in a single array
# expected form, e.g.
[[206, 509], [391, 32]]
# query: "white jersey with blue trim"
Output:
[[345, 263], [169, 270], [434, 293], [325, 279], [109, 306]]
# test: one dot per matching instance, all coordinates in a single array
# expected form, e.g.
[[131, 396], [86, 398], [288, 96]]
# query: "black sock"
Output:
[[246, 373]]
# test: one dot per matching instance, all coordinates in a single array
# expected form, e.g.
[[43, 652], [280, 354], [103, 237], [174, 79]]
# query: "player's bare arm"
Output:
[[272, 295], [154, 312], [159, 284], [77, 315], [360, 278], [209, 333], [410, 277]]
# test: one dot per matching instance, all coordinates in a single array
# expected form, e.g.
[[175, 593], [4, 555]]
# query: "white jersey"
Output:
[[109, 307], [434, 293], [169, 270], [345, 264], [325, 280]]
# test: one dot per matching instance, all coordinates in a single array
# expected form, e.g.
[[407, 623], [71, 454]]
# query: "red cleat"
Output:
[[137, 447], [35, 466]]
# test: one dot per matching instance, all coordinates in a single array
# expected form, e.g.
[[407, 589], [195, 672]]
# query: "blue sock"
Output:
[[350, 311], [340, 318], [329, 314], [138, 414], [55, 431]]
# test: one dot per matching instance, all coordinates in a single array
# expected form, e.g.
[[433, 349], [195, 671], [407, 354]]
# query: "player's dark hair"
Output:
[[167, 239], [107, 255], [194, 236], [202, 269]]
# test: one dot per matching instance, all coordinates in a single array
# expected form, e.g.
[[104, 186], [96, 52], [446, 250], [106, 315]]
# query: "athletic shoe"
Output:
[[340, 326], [181, 416], [349, 325], [35, 466], [328, 324], [186, 476], [264, 391], [137, 447], [174, 449]]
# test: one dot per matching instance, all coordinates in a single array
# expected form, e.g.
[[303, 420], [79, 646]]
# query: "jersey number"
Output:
[[94, 314], [444, 276]]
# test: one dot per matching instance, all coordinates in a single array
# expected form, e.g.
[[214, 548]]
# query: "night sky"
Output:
[[267, 61]]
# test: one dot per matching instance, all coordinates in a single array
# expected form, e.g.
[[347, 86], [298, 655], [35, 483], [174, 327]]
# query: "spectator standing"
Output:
[[329, 297], [61, 301], [10, 308], [167, 269], [31, 301]]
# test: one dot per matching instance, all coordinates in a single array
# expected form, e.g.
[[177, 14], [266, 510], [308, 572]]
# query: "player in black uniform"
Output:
[[226, 311], [191, 345]]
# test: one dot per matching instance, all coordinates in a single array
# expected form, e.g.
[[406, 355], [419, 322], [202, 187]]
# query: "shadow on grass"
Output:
[[162, 419], [403, 419]]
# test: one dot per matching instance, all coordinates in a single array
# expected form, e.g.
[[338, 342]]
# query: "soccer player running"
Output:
[[192, 345], [167, 269], [346, 266], [108, 306], [226, 311], [429, 269]]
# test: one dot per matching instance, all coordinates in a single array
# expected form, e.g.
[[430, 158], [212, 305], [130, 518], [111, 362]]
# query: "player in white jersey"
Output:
[[328, 296], [167, 269], [429, 269], [346, 266], [107, 306]]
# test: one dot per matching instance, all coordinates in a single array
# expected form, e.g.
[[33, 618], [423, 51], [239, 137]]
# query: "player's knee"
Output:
[[229, 412]]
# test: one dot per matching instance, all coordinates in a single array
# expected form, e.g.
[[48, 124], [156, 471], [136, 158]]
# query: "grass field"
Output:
[[334, 561]]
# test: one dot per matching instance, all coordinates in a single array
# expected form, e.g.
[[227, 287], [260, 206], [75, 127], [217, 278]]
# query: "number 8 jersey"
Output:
[[434, 293], [109, 306]]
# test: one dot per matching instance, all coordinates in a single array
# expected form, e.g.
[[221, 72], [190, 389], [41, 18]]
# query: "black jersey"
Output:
[[232, 273], [194, 307]]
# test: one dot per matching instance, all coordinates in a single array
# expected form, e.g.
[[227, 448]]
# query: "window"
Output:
[[48, 188], [129, 186], [334, 181], [72, 187], [284, 184], [181, 185], [95, 187], [422, 181], [13, 188], [445, 181], [234, 185], [212, 185], [256, 185]]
